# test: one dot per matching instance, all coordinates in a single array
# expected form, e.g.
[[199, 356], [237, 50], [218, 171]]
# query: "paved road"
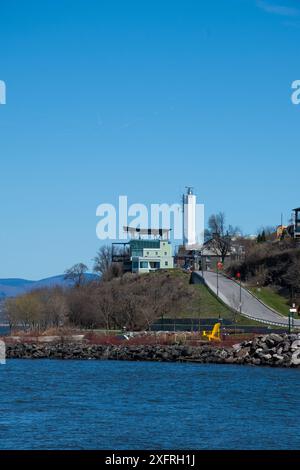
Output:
[[229, 293]]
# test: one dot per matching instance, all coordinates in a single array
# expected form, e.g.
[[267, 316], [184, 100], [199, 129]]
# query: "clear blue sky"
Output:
[[100, 94]]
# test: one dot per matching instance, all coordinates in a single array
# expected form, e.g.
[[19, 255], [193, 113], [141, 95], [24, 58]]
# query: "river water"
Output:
[[52, 404]]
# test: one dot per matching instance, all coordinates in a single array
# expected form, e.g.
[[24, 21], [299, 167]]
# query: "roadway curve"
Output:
[[229, 293]]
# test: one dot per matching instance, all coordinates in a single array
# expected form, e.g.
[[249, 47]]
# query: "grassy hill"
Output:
[[203, 303], [272, 298]]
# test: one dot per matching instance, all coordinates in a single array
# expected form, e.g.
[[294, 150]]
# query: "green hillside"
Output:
[[204, 304], [271, 298]]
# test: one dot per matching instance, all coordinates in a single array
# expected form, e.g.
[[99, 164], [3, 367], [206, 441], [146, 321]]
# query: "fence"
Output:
[[200, 324]]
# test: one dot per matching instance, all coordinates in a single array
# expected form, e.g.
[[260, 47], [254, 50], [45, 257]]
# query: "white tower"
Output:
[[189, 218]]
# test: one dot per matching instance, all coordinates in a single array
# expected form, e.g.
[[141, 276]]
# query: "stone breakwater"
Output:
[[269, 350]]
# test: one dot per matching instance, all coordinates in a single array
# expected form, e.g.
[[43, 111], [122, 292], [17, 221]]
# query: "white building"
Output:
[[189, 219]]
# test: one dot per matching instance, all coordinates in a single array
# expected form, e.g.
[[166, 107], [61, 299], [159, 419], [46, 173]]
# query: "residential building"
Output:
[[150, 255]]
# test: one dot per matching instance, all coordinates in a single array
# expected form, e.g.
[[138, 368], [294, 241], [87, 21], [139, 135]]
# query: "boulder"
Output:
[[175, 353], [267, 357], [270, 342], [278, 357], [243, 352], [276, 338], [230, 360], [295, 344], [296, 358], [223, 354]]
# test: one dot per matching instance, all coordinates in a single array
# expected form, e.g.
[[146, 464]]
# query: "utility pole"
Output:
[[219, 266]]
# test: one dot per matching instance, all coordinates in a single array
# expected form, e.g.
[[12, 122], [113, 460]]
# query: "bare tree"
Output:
[[220, 235], [103, 260], [55, 311], [104, 265], [76, 274], [104, 307]]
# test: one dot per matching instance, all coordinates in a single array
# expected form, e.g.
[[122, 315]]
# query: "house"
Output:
[[209, 255], [150, 255], [142, 255]]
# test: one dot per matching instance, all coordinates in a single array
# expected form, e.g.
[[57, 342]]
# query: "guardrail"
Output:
[[268, 322], [253, 295], [251, 317]]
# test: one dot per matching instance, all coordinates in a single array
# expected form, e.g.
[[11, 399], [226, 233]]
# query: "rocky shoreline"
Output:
[[268, 350]]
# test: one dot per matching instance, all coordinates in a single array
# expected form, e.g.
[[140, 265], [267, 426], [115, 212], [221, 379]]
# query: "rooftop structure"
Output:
[[156, 232]]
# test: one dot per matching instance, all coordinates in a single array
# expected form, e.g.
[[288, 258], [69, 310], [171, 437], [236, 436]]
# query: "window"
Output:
[[166, 253], [135, 264], [136, 253], [144, 244], [166, 263], [154, 264], [144, 264], [156, 253]]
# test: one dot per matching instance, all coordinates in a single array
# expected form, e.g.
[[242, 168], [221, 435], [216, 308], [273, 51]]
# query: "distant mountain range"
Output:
[[13, 287]]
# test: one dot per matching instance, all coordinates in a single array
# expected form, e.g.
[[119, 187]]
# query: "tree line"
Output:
[[130, 302]]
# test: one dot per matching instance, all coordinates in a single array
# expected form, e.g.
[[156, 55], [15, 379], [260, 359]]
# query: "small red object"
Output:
[[238, 275], [220, 265]]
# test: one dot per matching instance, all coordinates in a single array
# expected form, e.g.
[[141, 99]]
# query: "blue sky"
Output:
[[142, 98]]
